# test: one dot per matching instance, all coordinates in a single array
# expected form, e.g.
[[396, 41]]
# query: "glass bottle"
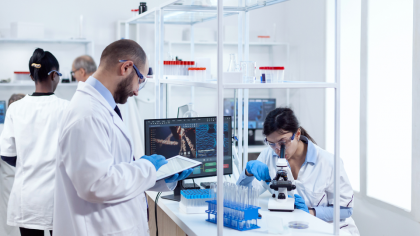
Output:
[[232, 63], [190, 112]]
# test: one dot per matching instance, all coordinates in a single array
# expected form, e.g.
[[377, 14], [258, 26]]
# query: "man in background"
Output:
[[7, 176], [83, 67]]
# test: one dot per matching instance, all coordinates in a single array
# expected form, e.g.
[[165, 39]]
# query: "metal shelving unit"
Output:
[[87, 43], [173, 12]]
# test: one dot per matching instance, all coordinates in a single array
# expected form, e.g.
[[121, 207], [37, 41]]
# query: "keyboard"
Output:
[[206, 185], [190, 186]]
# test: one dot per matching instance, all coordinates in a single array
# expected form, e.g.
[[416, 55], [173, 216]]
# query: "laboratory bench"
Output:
[[172, 221]]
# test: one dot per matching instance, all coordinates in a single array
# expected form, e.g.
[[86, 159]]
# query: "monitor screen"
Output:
[[258, 110], [190, 137], [2, 111]]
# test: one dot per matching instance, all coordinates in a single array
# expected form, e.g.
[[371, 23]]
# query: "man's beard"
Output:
[[124, 89]]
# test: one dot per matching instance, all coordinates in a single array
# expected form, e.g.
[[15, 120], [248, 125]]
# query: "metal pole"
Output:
[[246, 105], [127, 31], [246, 93], [157, 67], [220, 156], [336, 219], [247, 36], [192, 59], [240, 130], [163, 87]]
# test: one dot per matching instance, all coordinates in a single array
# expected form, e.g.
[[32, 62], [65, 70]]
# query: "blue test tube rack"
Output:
[[250, 214], [194, 201]]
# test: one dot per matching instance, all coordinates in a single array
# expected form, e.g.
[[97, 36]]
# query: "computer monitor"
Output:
[[193, 138], [258, 110], [2, 111]]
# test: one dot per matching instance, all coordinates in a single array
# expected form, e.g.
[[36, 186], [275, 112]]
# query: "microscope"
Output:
[[280, 200]]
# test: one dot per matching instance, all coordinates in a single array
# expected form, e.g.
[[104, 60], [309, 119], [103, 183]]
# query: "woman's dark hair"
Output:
[[41, 63], [284, 119]]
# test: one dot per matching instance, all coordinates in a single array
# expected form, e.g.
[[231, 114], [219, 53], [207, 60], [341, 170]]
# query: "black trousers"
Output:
[[32, 232]]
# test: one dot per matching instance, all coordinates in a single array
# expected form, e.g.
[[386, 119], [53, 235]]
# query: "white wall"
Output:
[[374, 220]]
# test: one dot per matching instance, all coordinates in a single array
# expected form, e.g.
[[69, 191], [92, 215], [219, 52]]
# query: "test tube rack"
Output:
[[248, 220], [194, 201]]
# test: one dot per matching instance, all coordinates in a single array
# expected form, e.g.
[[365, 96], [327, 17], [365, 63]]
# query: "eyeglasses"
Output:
[[74, 72], [142, 79], [283, 142], [58, 73]]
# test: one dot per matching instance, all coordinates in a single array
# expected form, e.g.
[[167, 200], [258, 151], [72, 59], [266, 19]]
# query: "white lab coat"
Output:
[[99, 188], [30, 133], [314, 183], [7, 176]]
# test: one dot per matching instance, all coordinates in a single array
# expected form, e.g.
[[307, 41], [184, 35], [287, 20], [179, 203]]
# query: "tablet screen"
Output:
[[175, 165]]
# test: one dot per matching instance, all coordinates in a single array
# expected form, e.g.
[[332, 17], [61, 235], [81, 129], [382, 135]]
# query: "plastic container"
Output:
[[134, 12], [201, 74], [278, 74], [22, 77], [263, 38], [197, 74]]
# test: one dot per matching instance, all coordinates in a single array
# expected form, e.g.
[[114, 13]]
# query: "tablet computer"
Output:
[[175, 165]]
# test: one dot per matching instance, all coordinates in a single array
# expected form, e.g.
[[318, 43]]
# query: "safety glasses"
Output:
[[58, 73], [142, 79], [284, 142]]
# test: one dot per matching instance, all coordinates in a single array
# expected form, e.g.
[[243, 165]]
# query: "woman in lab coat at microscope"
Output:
[[311, 169]]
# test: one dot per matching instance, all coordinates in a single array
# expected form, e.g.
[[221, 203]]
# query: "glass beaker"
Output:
[[248, 71], [232, 63], [190, 112]]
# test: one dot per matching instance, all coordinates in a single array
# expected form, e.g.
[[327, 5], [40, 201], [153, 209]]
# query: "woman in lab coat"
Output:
[[7, 176], [29, 141], [311, 169]]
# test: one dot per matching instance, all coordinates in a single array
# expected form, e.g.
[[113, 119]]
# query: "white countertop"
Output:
[[195, 224]]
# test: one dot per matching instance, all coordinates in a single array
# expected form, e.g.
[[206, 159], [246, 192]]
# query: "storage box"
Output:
[[22, 77], [26, 30]]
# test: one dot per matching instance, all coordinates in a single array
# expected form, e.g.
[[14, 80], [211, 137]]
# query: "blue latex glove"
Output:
[[176, 177], [300, 203], [157, 160], [259, 170]]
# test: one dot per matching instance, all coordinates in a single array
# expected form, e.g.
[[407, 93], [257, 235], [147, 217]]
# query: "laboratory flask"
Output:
[[190, 112], [232, 63], [248, 71]]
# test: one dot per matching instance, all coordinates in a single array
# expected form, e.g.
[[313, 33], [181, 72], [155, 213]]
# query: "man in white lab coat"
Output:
[[100, 188]]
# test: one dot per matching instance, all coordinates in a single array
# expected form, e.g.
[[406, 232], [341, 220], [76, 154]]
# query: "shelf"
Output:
[[185, 17], [8, 85], [229, 43], [212, 85], [228, 6], [189, 12], [284, 85], [12, 40], [147, 17]]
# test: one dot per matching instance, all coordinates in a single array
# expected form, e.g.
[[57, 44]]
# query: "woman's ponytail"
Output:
[[283, 119], [41, 63], [305, 133]]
